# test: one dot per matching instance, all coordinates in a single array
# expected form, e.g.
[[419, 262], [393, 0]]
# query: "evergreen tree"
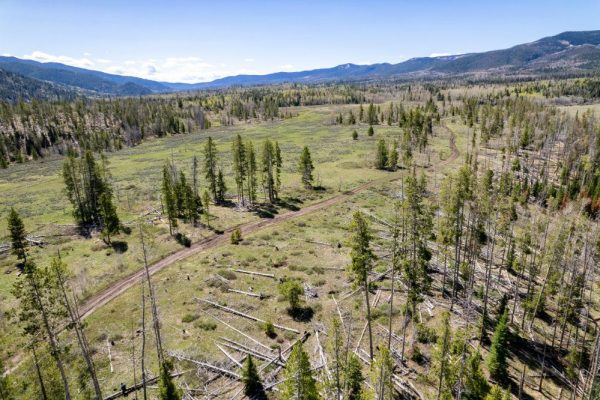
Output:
[[419, 226], [393, 157], [41, 312], [239, 166], [382, 372], [108, 215], [85, 182], [381, 158], [18, 236], [440, 359], [292, 290], [306, 168], [221, 188], [271, 170], [210, 168], [167, 390], [278, 164], [354, 135], [299, 383], [476, 385], [354, 378], [251, 172], [496, 362], [206, 203], [362, 262], [168, 198], [253, 387], [370, 131]]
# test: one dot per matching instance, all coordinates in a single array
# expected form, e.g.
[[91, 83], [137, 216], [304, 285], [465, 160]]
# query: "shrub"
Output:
[[187, 318], [354, 135], [426, 334], [206, 325], [236, 236], [269, 329]]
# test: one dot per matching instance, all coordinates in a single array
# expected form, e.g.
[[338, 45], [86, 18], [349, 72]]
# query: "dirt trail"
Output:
[[121, 286]]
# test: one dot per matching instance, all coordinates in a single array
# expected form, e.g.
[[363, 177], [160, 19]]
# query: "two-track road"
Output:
[[119, 287]]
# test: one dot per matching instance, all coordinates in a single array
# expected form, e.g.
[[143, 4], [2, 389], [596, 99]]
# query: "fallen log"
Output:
[[257, 295], [241, 314], [243, 271]]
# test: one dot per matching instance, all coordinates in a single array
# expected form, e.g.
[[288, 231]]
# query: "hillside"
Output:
[[569, 53], [14, 87]]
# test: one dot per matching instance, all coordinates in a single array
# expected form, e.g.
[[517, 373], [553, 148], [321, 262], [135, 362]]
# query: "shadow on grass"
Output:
[[119, 246], [301, 314]]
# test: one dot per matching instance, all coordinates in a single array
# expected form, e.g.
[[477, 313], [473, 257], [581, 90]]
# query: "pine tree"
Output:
[[85, 182], [251, 172], [354, 378], [239, 166], [253, 387], [18, 236], [419, 225], [299, 383], [440, 360], [108, 215], [168, 198], [370, 131], [496, 360], [476, 385], [268, 173], [210, 167], [354, 135], [382, 372], [278, 164], [206, 204], [393, 157], [362, 262], [381, 158], [221, 188], [167, 390], [41, 312], [306, 168]]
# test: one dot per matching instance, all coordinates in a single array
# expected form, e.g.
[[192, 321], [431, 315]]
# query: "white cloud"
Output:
[[286, 67], [170, 69], [86, 54], [6, 55], [249, 60], [439, 54], [45, 57]]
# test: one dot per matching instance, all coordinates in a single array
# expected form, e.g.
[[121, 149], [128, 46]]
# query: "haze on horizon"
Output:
[[185, 41]]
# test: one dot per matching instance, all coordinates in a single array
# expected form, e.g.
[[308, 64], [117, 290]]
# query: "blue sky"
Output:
[[192, 41]]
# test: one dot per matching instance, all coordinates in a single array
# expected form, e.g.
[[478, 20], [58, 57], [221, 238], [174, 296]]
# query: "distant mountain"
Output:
[[15, 87], [569, 53], [99, 82]]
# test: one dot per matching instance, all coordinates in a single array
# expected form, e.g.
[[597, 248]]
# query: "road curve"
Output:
[[116, 289]]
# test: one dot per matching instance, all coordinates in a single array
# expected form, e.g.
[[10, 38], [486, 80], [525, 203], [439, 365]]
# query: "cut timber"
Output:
[[243, 271], [136, 387], [233, 328], [241, 314], [257, 295], [236, 362], [207, 366]]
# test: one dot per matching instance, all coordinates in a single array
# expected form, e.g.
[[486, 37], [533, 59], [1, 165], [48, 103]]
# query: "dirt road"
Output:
[[121, 286]]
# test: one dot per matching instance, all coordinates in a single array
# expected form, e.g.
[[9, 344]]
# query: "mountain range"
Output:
[[565, 54]]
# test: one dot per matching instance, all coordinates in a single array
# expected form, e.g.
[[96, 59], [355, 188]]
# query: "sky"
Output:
[[198, 41]]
